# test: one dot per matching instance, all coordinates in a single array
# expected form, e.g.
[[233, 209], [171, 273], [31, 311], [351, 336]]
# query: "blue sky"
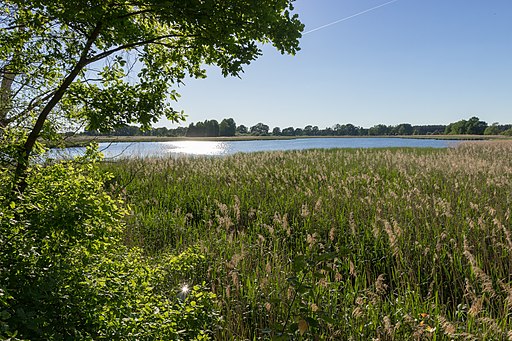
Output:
[[410, 61]]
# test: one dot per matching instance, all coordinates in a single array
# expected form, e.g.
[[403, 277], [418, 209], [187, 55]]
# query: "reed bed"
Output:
[[387, 244]]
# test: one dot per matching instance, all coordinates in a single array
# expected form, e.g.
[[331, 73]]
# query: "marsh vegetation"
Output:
[[336, 244]]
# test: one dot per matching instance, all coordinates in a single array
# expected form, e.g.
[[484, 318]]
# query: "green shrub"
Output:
[[64, 274]]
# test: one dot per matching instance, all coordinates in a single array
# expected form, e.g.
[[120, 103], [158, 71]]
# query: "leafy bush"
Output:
[[65, 275]]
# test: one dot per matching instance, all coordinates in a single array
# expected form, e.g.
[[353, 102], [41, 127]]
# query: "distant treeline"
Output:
[[228, 127]]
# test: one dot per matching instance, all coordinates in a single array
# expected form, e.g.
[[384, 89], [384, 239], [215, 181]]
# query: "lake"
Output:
[[219, 148]]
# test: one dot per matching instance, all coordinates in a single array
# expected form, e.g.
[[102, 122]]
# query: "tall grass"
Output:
[[338, 244]]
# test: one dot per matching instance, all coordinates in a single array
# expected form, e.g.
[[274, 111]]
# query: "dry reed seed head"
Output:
[[252, 213], [358, 312], [439, 244], [268, 268], [304, 211], [263, 282], [497, 223], [235, 279], [311, 239], [237, 257], [380, 285], [360, 300], [373, 297], [376, 231], [309, 192], [285, 221], [352, 223], [506, 232], [392, 238], [230, 265], [492, 211], [236, 208], [476, 306], [447, 327], [261, 239], [223, 208], [396, 229], [318, 205], [388, 326], [230, 237], [269, 228], [323, 283], [189, 217], [338, 277], [332, 234], [484, 279], [481, 223], [277, 220], [352, 269]]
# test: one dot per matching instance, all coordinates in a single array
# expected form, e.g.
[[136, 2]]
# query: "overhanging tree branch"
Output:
[[133, 45], [36, 101]]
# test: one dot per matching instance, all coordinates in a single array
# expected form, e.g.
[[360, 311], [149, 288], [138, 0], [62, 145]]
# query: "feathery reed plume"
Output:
[[392, 238], [318, 205], [476, 306], [304, 211], [236, 208], [388, 326], [332, 234], [448, 328], [380, 285], [484, 279]]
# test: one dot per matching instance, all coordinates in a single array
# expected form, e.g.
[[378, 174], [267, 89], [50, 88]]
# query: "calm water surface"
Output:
[[219, 148]]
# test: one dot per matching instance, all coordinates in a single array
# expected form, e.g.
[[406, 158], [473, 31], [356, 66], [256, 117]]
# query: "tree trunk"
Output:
[[5, 95], [20, 175]]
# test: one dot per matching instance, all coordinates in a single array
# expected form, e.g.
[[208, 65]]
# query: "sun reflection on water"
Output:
[[197, 147]]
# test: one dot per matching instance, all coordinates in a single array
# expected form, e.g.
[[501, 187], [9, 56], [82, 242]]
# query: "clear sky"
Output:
[[409, 61]]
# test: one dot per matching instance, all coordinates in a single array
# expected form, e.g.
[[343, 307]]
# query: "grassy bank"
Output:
[[338, 244], [85, 140]]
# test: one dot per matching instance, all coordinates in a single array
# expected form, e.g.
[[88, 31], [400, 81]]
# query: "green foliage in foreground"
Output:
[[64, 274], [341, 244]]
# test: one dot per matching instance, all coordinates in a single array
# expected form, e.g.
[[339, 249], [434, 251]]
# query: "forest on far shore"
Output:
[[228, 127]]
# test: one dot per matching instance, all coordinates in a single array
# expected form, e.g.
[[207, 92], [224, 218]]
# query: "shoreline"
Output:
[[77, 141]]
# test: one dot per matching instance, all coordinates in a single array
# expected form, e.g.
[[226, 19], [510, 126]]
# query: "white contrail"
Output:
[[349, 17]]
